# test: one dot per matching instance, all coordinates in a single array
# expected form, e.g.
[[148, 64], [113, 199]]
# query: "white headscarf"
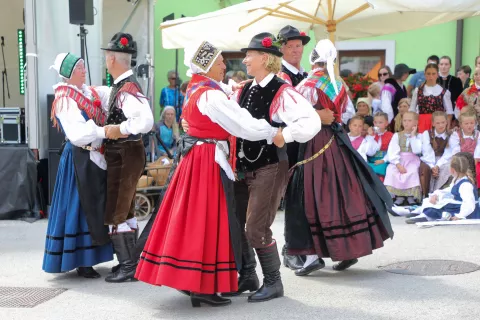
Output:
[[327, 53], [65, 63], [200, 57]]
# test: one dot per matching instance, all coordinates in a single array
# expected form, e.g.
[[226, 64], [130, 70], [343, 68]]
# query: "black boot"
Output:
[[272, 283], [344, 265], [210, 299], [248, 280], [124, 245], [117, 267]]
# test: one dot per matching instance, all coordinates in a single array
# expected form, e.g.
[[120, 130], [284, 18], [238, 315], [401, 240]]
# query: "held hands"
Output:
[[379, 162], [326, 116], [401, 168], [185, 125], [433, 199], [435, 171], [278, 140], [112, 132]]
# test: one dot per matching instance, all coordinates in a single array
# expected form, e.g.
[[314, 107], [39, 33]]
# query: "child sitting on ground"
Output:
[[366, 146], [403, 106], [379, 162]]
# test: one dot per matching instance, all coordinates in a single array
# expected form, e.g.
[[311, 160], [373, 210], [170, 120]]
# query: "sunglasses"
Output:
[[383, 74]]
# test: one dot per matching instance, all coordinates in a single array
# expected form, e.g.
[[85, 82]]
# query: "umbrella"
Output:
[[233, 27]]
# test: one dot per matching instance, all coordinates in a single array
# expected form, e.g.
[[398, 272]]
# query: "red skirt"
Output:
[[343, 222], [189, 245], [424, 122]]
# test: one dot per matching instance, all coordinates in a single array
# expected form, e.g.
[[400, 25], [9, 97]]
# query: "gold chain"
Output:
[[316, 155]]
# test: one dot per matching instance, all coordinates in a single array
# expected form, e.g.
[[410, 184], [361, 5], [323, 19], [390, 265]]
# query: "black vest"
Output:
[[257, 101], [115, 114], [400, 93], [296, 78]]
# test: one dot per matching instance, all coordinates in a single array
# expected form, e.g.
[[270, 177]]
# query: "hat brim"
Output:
[[267, 50], [412, 71], [120, 50], [305, 39]]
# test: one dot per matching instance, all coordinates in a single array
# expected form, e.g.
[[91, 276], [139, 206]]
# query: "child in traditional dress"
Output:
[[466, 139], [374, 91], [366, 146], [403, 106], [402, 178], [438, 138], [457, 202], [379, 162]]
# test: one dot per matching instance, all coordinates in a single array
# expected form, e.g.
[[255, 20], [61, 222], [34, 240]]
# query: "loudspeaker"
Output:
[[81, 12], [53, 162], [55, 136]]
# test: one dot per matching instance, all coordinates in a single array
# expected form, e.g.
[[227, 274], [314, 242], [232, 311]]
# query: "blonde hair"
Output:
[[408, 101], [414, 114], [439, 114], [381, 114], [357, 118], [462, 165], [273, 63], [374, 90], [469, 113]]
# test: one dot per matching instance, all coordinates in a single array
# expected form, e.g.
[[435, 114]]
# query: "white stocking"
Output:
[[123, 227], [310, 259], [132, 223]]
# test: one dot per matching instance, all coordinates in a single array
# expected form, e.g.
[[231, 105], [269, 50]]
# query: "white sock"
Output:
[[310, 259], [132, 223], [123, 227]]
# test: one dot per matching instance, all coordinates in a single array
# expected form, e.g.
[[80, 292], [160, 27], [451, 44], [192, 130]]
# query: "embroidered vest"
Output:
[[402, 141], [257, 101], [429, 104], [438, 144]]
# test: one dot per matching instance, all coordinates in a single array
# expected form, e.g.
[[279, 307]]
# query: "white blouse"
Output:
[[77, 130], [137, 111], [368, 147], [302, 121], [455, 143], [447, 154], [418, 148], [432, 91], [468, 202]]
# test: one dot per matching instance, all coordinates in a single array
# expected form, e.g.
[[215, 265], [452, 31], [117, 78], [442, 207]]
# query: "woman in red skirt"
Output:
[[195, 243], [345, 203]]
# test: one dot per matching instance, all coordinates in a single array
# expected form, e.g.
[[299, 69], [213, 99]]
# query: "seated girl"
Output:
[[403, 106], [365, 146], [402, 178], [379, 162], [457, 202]]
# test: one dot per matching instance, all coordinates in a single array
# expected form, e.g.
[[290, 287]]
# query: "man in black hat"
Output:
[[262, 169], [394, 90], [293, 42], [129, 116]]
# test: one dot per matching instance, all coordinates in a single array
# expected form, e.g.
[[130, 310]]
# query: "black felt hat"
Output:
[[122, 42], [401, 69], [291, 33], [265, 42]]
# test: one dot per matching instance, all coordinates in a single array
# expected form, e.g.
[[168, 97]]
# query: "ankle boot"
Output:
[[272, 283], [248, 280], [124, 246]]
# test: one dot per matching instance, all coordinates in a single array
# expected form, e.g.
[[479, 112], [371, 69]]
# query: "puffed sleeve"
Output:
[[393, 152]]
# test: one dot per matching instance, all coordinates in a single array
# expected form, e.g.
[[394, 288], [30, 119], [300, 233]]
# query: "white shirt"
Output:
[[468, 202], [387, 99], [432, 91], [418, 147], [376, 105], [302, 121], [447, 154], [235, 120], [292, 68], [77, 130], [137, 111], [368, 147]]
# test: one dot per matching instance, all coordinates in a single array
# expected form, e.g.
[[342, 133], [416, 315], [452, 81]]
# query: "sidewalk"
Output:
[[363, 292]]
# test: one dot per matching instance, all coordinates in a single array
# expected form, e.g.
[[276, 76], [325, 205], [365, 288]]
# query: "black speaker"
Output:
[[53, 161], [81, 12], [55, 136]]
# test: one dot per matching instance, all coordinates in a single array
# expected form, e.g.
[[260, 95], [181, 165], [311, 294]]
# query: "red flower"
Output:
[[303, 34], [357, 87], [97, 103], [267, 42], [124, 41]]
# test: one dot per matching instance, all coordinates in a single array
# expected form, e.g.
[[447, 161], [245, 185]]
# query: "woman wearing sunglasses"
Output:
[[383, 74]]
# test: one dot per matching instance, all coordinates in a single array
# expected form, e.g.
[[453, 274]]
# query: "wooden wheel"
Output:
[[143, 206]]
